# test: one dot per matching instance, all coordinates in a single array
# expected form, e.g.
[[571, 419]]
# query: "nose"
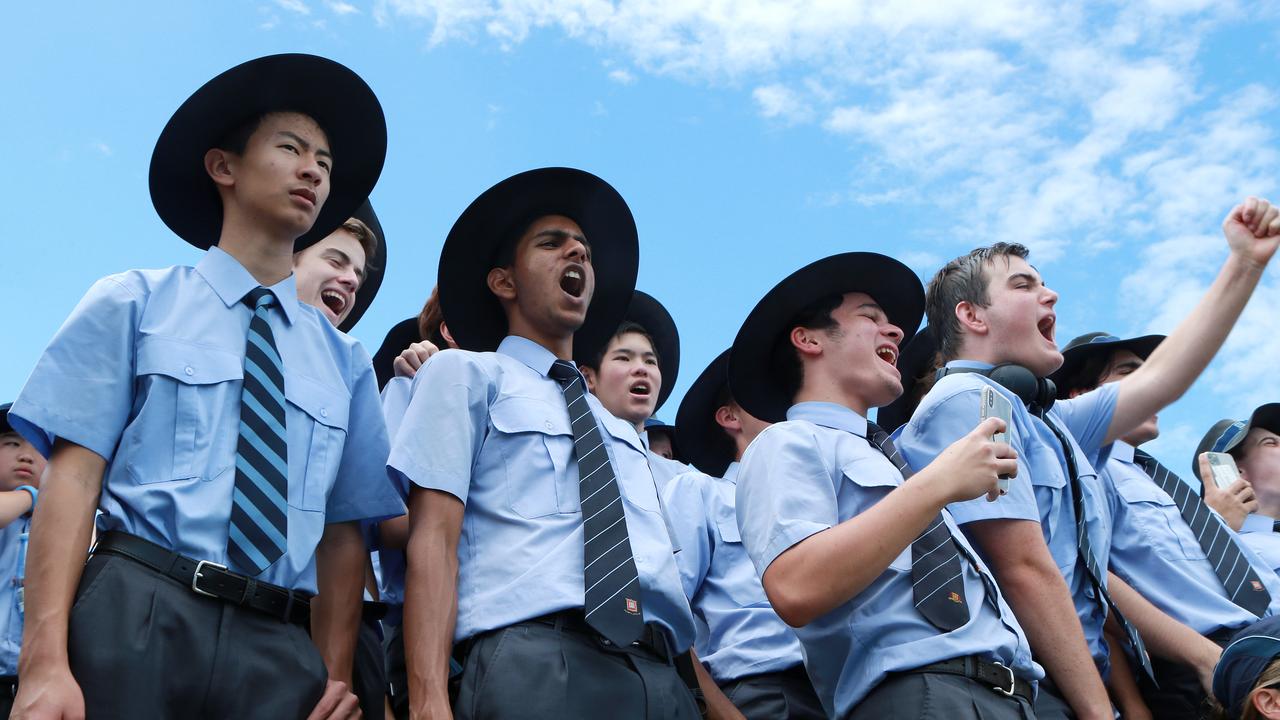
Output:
[[894, 332], [1050, 297], [349, 279], [576, 250], [310, 170]]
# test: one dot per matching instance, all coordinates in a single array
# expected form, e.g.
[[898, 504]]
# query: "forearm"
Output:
[[13, 505], [718, 705], [336, 610], [1122, 684], [431, 599], [1163, 636], [393, 534]]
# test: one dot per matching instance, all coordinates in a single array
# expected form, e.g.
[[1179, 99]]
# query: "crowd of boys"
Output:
[[214, 503]]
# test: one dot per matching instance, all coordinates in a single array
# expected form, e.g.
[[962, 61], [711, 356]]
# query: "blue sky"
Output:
[[749, 138]]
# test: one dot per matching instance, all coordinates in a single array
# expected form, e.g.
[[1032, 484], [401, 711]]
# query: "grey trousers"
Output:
[[369, 672], [917, 696], [397, 673], [534, 670], [144, 646], [785, 695]]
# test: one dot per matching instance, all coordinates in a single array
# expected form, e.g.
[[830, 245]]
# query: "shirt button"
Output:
[[189, 371], [324, 413], [547, 424]]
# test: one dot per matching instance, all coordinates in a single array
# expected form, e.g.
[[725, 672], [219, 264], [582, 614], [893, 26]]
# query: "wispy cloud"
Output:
[[337, 7], [102, 148], [779, 102], [622, 76], [297, 6]]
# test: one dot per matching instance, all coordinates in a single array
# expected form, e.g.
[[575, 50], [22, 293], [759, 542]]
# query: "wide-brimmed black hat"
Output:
[[400, 336], [1226, 435], [754, 380], [4, 418], [326, 91], [916, 363], [700, 438], [474, 315], [373, 279], [649, 314], [1080, 349]]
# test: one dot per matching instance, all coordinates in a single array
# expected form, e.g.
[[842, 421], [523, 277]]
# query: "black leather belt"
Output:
[[994, 675], [210, 579], [653, 639]]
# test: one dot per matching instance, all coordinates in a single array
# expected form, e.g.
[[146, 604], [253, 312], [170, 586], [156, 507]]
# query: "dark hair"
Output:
[[1085, 377], [784, 359], [429, 321], [237, 139], [627, 326], [962, 280]]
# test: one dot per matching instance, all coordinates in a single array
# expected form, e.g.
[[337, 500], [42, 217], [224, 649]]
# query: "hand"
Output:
[[1135, 710], [1252, 229], [49, 696], [337, 703], [436, 707], [972, 465], [1205, 665], [1234, 503], [410, 361]]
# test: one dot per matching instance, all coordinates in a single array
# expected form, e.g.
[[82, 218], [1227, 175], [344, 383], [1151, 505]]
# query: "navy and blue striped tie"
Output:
[[259, 515]]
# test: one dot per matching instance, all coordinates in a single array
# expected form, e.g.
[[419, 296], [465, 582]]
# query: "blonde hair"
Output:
[[368, 241], [1269, 678]]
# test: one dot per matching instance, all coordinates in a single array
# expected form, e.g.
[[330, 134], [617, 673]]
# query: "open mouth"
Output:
[[888, 354], [1046, 327], [334, 300], [640, 389], [573, 281]]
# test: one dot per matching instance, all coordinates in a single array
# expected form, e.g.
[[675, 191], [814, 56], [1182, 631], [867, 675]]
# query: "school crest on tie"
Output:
[[633, 606], [955, 598]]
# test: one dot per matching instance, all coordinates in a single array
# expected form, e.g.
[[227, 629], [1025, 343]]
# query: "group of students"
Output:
[[483, 519]]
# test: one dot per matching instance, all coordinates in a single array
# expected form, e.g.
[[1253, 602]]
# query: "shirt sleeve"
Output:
[[361, 490], [445, 424], [785, 493], [686, 510], [1088, 417], [82, 387]]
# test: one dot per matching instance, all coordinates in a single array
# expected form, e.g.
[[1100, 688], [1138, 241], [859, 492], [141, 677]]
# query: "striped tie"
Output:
[[937, 577], [1243, 586], [259, 516], [1084, 546], [612, 596]]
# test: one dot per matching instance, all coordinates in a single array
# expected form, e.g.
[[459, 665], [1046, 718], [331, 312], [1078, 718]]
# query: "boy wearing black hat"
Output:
[[535, 530], [341, 274], [854, 550], [1255, 446], [20, 469], [1165, 541], [227, 432], [1048, 539]]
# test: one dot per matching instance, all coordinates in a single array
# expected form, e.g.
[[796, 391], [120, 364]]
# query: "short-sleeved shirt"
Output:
[[664, 469], [815, 471], [1258, 532], [147, 372], [389, 565], [1155, 551], [492, 430], [11, 615], [1041, 491], [743, 635]]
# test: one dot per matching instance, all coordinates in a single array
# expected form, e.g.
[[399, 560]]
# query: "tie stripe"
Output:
[[611, 584], [1201, 520], [258, 534]]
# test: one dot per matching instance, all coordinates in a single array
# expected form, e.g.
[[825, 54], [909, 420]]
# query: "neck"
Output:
[[1269, 506], [974, 350], [559, 345], [831, 395], [267, 254]]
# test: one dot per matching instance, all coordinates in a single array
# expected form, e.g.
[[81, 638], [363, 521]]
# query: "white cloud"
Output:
[[297, 6], [778, 102], [621, 76], [342, 8], [102, 148]]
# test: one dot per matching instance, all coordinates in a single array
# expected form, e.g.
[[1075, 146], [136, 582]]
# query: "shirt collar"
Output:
[[970, 365], [538, 358], [731, 472], [836, 417], [1256, 523], [231, 281], [1122, 451]]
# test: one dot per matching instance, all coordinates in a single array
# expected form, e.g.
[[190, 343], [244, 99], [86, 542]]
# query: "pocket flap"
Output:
[[325, 405], [1142, 491], [872, 471], [621, 430], [728, 527], [513, 415], [186, 362]]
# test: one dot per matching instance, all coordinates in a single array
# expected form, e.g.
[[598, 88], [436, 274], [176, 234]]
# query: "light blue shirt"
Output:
[[1040, 492], [11, 549], [147, 373], [743, 635], [817, 470], [1259, 534], [492, 429], [664, 469], [389, 565], [1154, 550]]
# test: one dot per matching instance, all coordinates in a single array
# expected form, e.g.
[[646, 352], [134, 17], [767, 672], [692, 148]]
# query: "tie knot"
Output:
[[876, 434], [260, 297], [563, 372]]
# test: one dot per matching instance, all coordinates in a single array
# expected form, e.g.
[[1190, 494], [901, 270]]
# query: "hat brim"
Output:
[[369, 288], [474, 315], [1073, 358], [753, 379], [400, 336], [700, 438], [915, 360], [649, 314], [331, 94]]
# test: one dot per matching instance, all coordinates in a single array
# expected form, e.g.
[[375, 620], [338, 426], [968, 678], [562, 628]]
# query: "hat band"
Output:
[[1228, 436]]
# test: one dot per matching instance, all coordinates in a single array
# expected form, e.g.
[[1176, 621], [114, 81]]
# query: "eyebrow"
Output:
[[347, 259], [562, 235], [305, 145], [1128, 364], [1023, 276]]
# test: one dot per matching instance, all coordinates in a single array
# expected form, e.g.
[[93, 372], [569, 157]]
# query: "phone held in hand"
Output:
[[1223, 467], [996, 405]]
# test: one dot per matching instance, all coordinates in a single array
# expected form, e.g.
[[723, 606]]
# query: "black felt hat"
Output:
[[373, 280], [400, 336], [700, 438], [755, 382], [474, 315], [649, 314], [1226, 435], [328, 92], [1080, 349], [916, 362]]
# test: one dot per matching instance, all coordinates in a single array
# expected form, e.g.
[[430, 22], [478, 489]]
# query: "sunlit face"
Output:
[[628, 380], [1020, 317], [551, 278], [329, 274], [862, 352], [20, 464], [1122, 365], [282, 179], [1258, 457]]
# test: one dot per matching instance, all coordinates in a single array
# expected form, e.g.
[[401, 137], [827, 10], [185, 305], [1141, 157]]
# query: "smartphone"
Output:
[[1224, 469], [996, 405]]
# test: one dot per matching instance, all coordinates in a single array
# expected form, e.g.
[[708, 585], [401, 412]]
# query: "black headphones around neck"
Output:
[[1030, 389]]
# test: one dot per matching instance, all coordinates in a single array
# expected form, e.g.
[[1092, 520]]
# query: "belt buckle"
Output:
[[195, 579], [1013, 681]]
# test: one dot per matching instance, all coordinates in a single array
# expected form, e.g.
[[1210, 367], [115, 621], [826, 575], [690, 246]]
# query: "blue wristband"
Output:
[[35, 496]]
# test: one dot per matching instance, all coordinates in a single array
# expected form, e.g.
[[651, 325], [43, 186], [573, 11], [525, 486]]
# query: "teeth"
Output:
[[573, 274]]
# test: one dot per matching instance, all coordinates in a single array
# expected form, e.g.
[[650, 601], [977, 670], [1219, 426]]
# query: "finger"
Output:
[[402, 368], [1251, 507], [989, 427], [333, 692], [349, 709], [1263, 226], [1206, 473], [1248, 209], [416, 360], [994, 495], [1004, 451], [1007, 468]]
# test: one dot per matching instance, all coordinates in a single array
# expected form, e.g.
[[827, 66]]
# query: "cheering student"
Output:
[[1165, 541], [227, 431], [535, 530], [1047, 541], [895, 613], [1246, 680], [20, 469], [1255, 446]]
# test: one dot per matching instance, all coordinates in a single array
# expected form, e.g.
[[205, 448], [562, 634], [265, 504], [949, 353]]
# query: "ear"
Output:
[[971, 318], [590, 375], [728, 419], [219, 165], [806, 341], [448, 337], [1075, 394], [502, 282], [1267, 702]]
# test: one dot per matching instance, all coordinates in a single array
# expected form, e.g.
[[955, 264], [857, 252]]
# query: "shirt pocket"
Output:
[[631, 464], [184, 390], [1157, 517], [876, 477], [537, 447], [317, 428], [740, 580]]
